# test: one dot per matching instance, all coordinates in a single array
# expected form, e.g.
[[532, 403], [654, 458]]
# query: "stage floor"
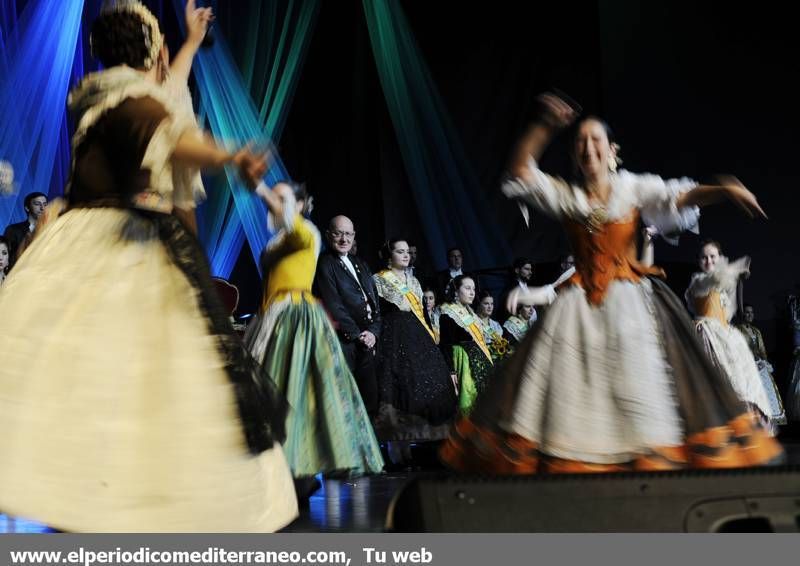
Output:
[[361, 505], [349, 505]]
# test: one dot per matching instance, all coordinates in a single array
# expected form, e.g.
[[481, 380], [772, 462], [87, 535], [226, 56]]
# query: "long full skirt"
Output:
[[126, 404], [620, 385], [327, 427], [416, 394]]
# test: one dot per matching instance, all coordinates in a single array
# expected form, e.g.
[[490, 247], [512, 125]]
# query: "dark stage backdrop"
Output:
[[691, 89]]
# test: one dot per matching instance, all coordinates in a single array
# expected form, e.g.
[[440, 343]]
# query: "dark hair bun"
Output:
[[120, 38]]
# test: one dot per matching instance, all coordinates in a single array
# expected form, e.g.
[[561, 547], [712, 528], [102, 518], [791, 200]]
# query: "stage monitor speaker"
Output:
[[698, 501]]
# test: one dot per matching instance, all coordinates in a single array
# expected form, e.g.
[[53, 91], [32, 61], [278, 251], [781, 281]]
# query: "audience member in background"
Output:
[[520, 278], [756, 342], [793, 391], [16, 234], [517, 325], [455, 268], [412, 262], [484, 309], [5, 256], [432, 311], [492, 331]]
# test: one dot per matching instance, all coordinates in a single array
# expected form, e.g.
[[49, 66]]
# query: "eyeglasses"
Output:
[[339, 234]]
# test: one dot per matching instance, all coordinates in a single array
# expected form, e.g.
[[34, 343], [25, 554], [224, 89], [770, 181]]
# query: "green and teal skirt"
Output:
[[327, 428]]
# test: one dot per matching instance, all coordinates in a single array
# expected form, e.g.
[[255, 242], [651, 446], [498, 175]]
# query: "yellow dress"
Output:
[[328, 428]]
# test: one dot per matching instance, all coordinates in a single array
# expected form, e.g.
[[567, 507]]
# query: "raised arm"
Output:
[[274, 202], [197, 20], [556, 114], [529, 185]]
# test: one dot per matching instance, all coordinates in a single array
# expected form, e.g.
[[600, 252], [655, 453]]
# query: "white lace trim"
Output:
[[654, 196], [390, 289]]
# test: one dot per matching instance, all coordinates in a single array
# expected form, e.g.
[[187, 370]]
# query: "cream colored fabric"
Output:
[[727, 348], [115, 409], [601, 374]]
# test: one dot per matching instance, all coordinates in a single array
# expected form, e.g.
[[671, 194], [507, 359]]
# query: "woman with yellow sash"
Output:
[[517, 325], [417, 398], [463, 343]]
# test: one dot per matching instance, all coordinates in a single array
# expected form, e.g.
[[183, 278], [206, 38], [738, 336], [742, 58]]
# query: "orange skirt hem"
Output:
[[740, 443]]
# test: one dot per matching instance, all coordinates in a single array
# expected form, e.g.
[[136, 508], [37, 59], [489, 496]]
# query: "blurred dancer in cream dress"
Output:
[[127, 403]]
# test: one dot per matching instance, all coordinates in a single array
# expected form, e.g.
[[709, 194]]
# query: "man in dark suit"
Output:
[[412, 261], [35, 204], [521, 276], [345, 285], [414, 270], [444, 279]]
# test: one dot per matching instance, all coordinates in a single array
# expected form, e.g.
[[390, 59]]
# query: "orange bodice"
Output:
[[606, 254], [711, 306]]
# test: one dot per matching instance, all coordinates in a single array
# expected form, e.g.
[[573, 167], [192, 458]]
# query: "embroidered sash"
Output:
[[467, 320], [391, 289]]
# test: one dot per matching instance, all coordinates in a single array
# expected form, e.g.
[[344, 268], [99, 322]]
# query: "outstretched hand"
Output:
[[252, 166], [555, 111], [739, 194], [531, 296]]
